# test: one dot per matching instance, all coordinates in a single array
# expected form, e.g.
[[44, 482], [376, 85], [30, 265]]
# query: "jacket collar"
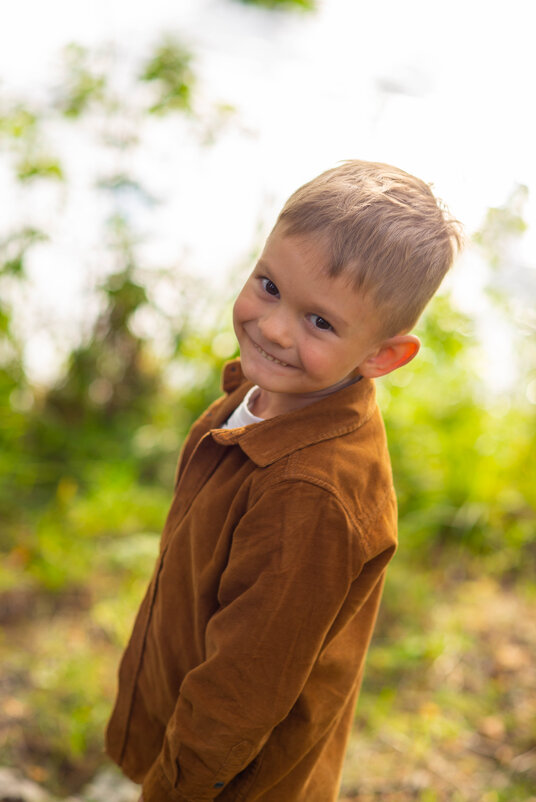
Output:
[[264, 443]]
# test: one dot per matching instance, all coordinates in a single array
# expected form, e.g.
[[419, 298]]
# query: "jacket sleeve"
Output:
[[294, 558]]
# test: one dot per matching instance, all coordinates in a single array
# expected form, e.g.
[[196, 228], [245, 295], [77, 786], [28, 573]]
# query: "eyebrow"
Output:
[[330, 316]]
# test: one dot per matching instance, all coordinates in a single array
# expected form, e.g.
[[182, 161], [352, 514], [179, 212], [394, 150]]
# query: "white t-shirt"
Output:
[[242, 415]]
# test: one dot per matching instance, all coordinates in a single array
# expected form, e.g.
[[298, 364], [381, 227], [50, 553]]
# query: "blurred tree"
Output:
[[462, 456], [16, 396], [109, 416], [107, 386]]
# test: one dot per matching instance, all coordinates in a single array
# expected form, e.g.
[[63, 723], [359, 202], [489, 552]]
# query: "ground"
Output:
[[447, 711]]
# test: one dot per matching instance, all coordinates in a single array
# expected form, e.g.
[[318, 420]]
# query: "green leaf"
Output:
[[171, 68], [41, 167]]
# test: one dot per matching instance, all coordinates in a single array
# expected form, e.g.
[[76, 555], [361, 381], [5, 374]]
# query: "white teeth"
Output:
[[270, 357]]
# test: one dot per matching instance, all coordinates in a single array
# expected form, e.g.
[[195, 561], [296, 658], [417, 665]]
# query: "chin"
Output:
[[261, 375]]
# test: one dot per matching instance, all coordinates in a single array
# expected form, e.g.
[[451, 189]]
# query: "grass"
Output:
[[448, 705]]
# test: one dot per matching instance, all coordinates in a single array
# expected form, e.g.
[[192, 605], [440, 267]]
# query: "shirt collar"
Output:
[[266, 442]]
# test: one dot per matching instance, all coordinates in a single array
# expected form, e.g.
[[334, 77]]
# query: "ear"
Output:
[[392, 354]]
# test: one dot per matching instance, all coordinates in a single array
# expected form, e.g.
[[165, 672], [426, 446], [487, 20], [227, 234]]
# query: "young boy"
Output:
[[243, 669]]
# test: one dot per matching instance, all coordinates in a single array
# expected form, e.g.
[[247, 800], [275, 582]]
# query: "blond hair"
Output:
[[385, 229]]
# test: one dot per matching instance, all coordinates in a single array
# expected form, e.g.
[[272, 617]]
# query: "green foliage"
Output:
[[82, 85], [17, 467], [109, 429], [107, 384], [39, 167], [114, 510], [170, 67], [14, 248], [21, 130], [461, 461], [17, 122]]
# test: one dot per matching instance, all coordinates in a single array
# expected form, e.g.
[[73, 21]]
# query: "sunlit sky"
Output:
[[442, 90]]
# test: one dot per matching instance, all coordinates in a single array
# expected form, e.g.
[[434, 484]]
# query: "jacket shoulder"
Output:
[[355, 469]]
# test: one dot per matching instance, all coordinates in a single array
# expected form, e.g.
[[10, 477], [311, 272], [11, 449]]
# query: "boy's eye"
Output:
[[269, 286], [321, 323]]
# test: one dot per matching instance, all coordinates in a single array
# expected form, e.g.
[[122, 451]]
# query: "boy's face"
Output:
[[300, 331]]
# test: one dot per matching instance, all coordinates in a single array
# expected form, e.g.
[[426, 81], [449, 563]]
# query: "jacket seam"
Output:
[[328, 488]]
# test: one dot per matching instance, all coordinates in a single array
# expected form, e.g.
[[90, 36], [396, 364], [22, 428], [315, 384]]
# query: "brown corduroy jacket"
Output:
[[242, 671]]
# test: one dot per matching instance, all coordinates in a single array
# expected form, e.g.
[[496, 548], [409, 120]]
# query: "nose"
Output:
[[275, 328]]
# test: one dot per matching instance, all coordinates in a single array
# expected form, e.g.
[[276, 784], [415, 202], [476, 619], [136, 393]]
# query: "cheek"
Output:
[[243, 309], [236, 318], [325, 360], [316, 357]]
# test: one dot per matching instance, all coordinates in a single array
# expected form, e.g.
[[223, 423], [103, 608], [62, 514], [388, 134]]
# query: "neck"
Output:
[[269, 405]]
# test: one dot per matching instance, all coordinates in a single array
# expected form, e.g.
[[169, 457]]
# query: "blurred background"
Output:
[[145, 151]]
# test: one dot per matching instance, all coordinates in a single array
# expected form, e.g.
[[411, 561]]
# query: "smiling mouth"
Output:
[[268, 356]]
